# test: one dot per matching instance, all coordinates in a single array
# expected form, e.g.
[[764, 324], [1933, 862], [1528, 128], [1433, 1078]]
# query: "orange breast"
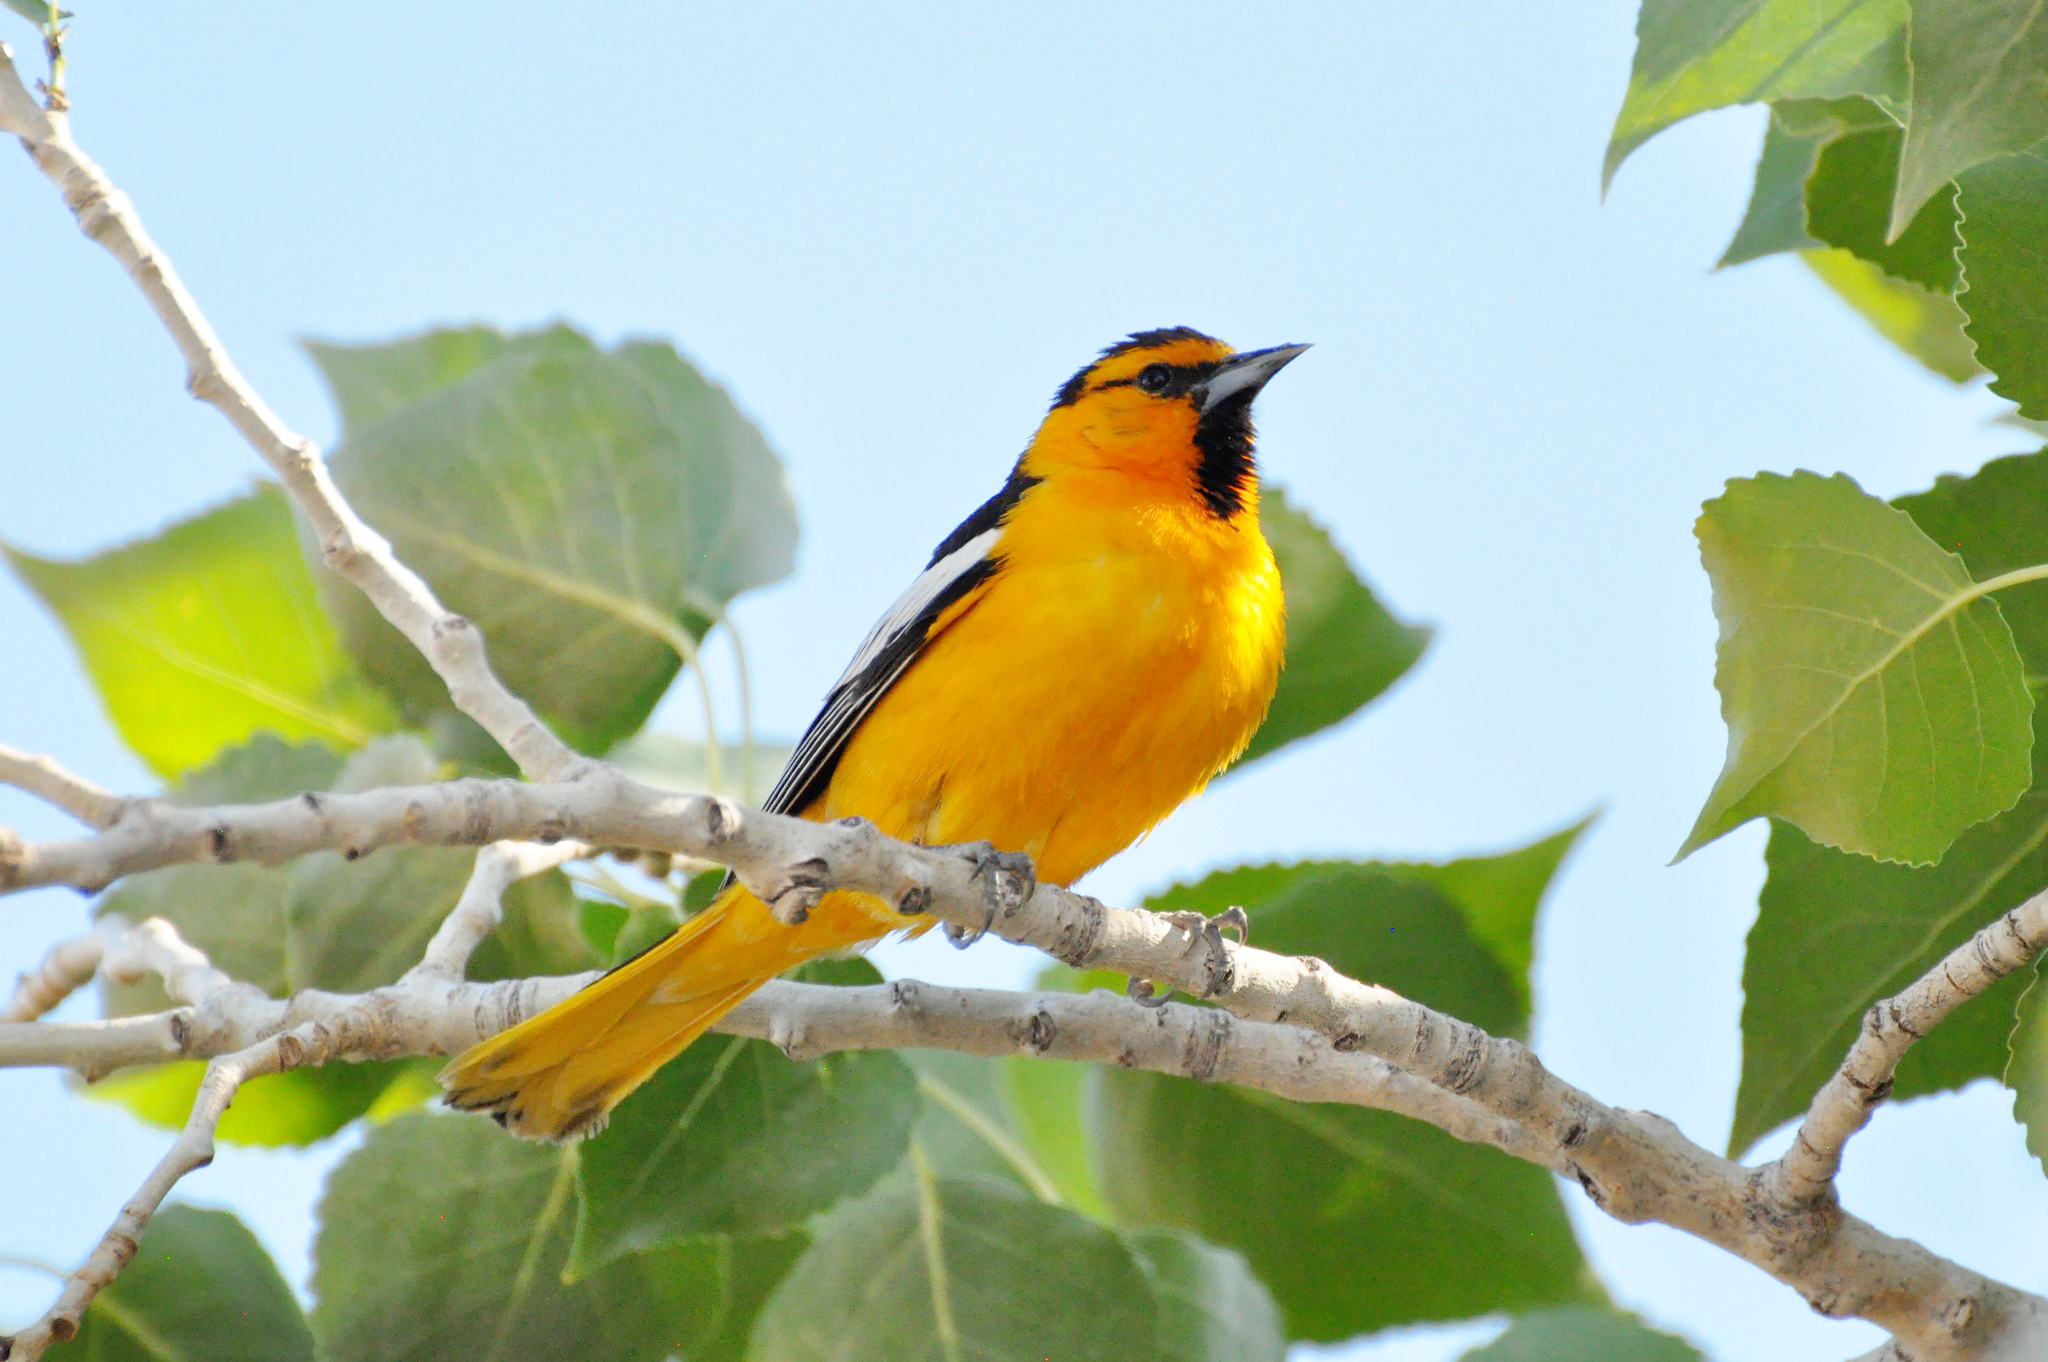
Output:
[[1121, 658]]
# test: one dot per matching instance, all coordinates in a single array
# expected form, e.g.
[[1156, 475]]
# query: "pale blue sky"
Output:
[[892, 230]]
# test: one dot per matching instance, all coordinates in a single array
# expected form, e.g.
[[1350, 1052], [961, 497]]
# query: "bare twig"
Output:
[[51, 783], [449, 642], [68, 967], [1843, 1106], [482, 906]]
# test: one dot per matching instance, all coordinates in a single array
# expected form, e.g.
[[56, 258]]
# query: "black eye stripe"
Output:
[[1183, 378]]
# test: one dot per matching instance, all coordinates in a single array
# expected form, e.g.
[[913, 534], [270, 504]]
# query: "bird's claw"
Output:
[[1210, 929], [1008, 880]]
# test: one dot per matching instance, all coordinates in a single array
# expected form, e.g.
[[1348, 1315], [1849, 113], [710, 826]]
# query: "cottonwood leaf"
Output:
[[208, 634], [1695, 55], [1409, 1224], [1848, 204], [2026, 1071], [1047, 1102], [293, 1108], [200, 1287], [1577, 1333], [2005, 274], [1343, 647], [1776, 217], [444, 1238], [1212, 1309], [930, 1269], [1993, 519], [754, 1268], [1873, 695], [1835, 933], [1979, 68], [1926, 325], [735, 1137], [592, 511], [1393, 1201], [35, 11]]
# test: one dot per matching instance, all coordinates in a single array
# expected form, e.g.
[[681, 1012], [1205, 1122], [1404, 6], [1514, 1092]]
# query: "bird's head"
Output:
[[1171, 407]]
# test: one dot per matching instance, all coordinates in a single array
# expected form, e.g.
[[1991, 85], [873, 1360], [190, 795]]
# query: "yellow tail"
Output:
[[558, 1075]]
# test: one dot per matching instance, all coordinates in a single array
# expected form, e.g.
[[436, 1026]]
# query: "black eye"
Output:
[[1155, 378]]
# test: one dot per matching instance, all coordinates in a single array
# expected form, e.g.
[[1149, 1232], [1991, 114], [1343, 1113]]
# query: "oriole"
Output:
[[1087, 649]]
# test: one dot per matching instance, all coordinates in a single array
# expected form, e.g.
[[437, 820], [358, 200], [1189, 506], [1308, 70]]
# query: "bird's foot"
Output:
[[1007, 881], [1218, 970]]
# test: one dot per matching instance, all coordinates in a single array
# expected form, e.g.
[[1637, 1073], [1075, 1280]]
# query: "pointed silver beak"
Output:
[[1243, 375]]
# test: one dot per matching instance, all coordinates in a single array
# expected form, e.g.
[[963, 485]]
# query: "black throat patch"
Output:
[[1223, 436]]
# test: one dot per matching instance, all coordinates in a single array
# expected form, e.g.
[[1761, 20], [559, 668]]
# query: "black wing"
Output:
[[963, 561]]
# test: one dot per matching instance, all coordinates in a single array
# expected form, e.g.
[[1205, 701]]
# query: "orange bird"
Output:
[[1090, 646]]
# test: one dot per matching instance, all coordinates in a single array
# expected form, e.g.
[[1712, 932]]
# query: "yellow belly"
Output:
[[1077, 699]]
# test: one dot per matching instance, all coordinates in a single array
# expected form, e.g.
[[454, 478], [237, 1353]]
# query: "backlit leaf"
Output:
[[209, 634], [1926, 325], [1212, 1309], [1695, 55], [1873, 696], [1776, 217]]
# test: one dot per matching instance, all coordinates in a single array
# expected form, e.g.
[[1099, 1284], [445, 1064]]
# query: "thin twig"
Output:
[[1843, 1106], [51, 783], [450, 643]]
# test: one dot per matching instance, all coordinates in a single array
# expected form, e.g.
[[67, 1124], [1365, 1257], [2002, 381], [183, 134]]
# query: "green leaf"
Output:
[[754, 1268], [1848, 204], [967, 1128], [1695, 55], [368, 382], [1343, 647], [1211, 1307], [1458, 936], [1806, 980], [592, 512], [1408, 1225], [1834, 933], [444, 1238], [1047, 1103], [1993, 520], [2005, 210], [734, 1137], [931, 1269], [296, 1107], [35, 11], [200, 1287], [1574, 1333], [1873, 695], [1980, 89], [1776, 218], [1391, 1201], [208, 634], [2026, 1071], [1926, 325]]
